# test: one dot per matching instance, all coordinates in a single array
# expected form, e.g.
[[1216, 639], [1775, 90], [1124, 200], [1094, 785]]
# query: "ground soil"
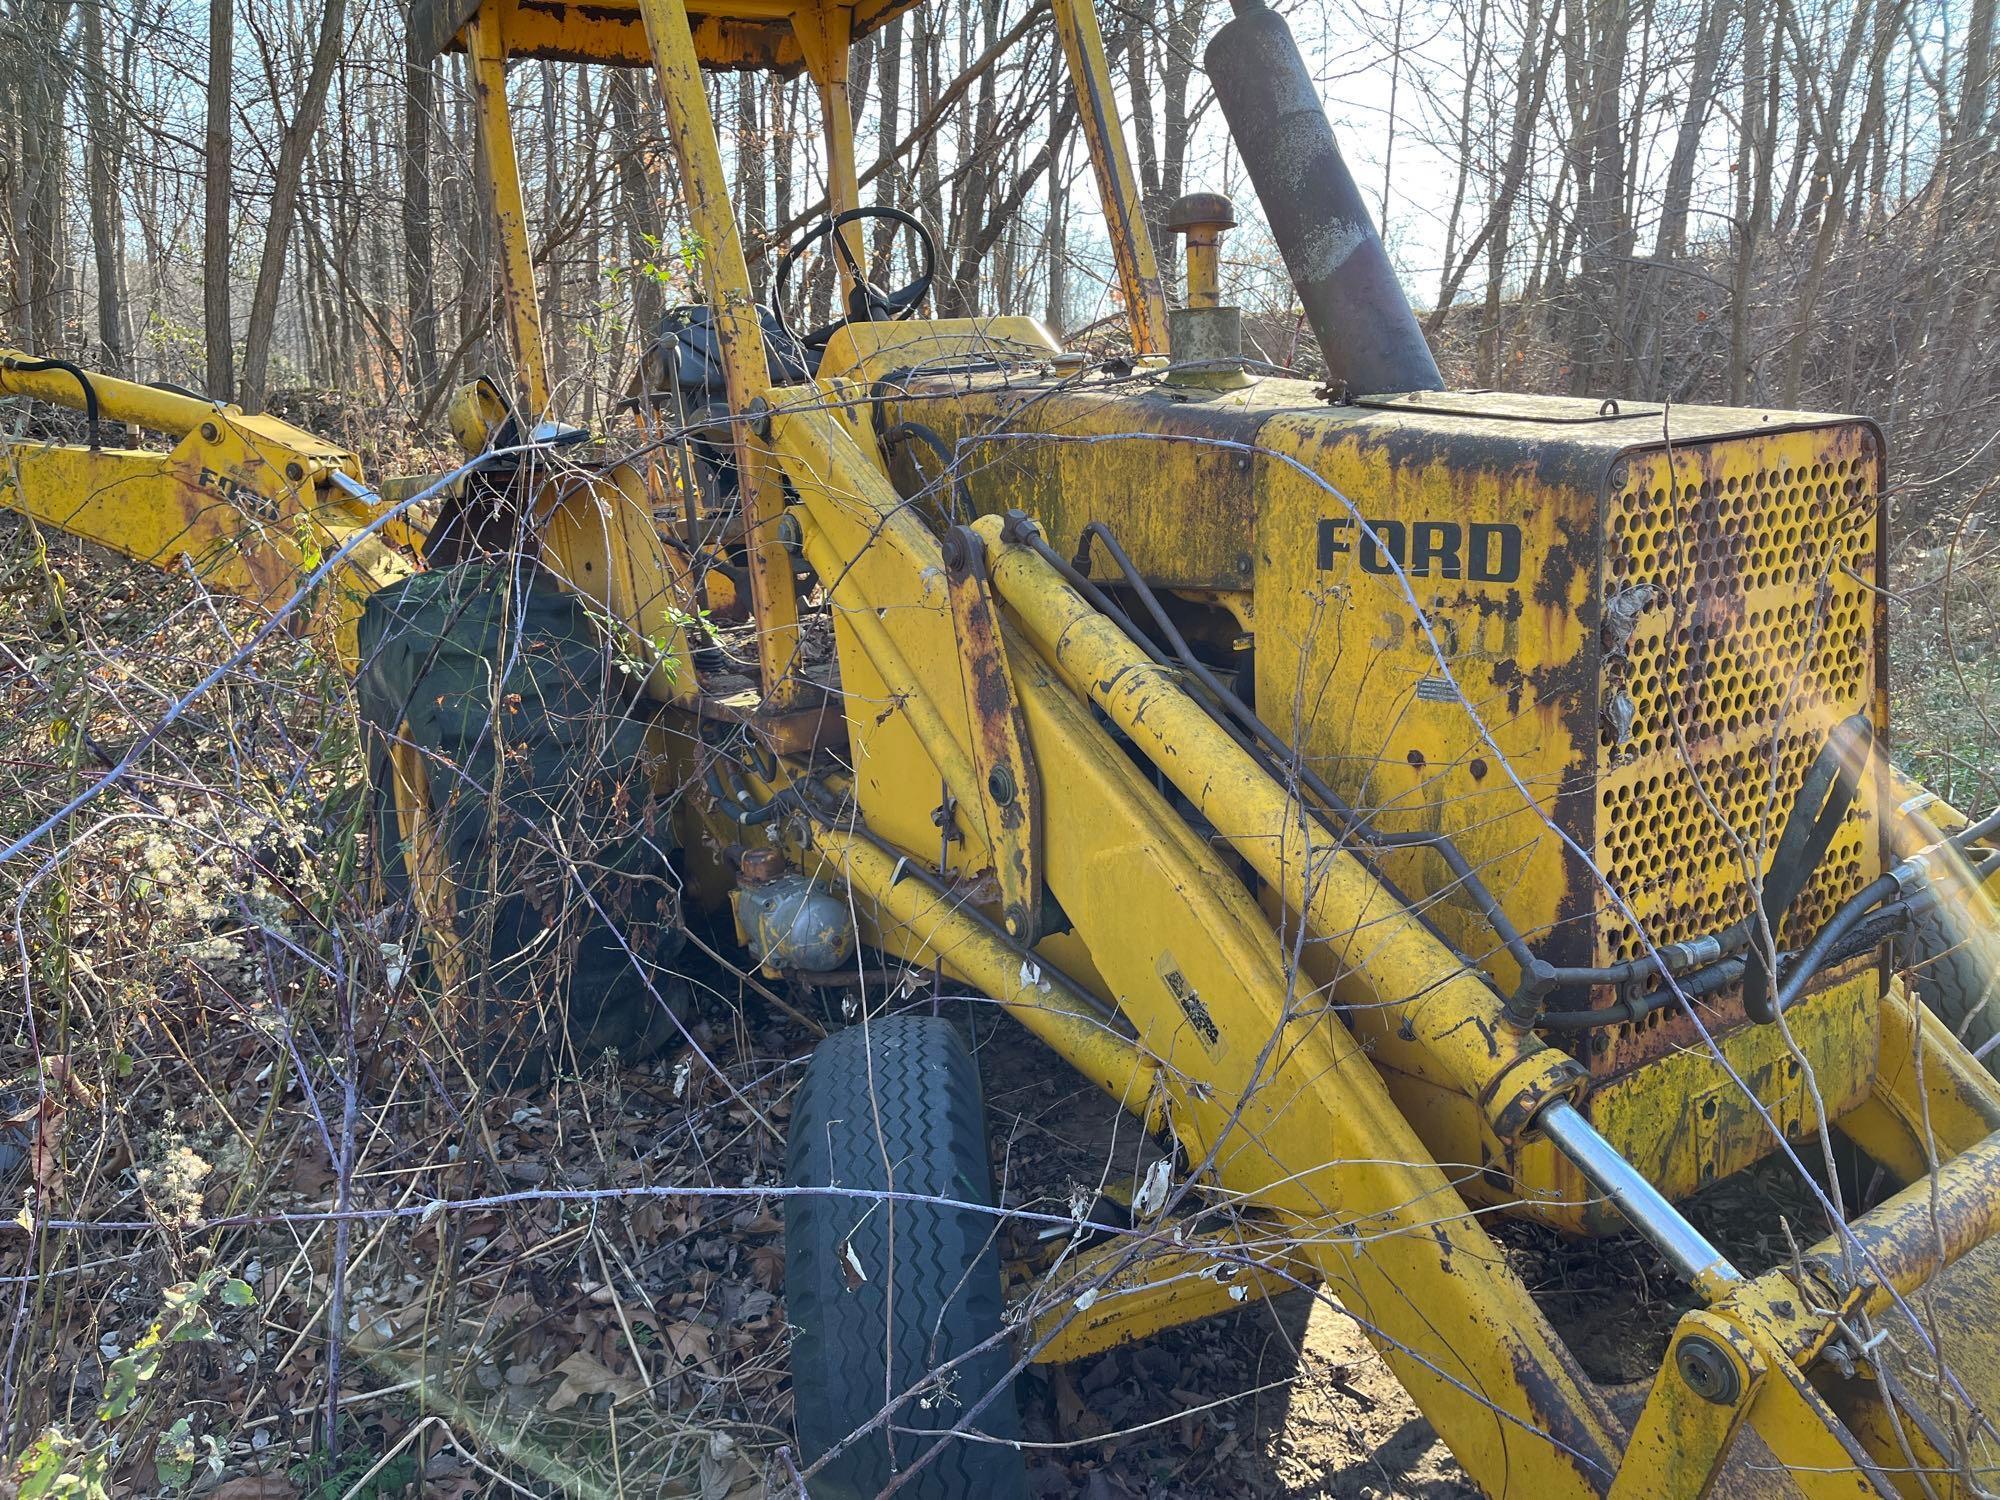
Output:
[[1282, 1398]]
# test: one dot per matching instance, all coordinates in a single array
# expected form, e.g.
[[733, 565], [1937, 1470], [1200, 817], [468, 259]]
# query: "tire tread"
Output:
[[916, 1075]]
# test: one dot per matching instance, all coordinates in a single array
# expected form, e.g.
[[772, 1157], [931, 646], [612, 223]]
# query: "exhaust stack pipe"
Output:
[[1366, 331]]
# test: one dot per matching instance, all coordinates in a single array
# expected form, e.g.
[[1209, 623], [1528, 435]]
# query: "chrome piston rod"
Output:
[[1648, 1211]]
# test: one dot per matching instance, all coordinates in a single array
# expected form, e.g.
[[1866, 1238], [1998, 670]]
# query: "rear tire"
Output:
[[546, 972], [914, 1077]]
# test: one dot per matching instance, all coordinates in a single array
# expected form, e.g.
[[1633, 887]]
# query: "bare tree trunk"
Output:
[[782, 100], [554, 298], [980, 239], [284, 205], [1531, 82], [472, 207], [342, 212], [1177, 69], [1595, 44], [1968, 139], [1672, 237], [590, 112], [218, 334], [930, 195], [750, 209], [1840, 162], [637, 212], [860, 73], [1830, 114], [1389, 134], [1770, 102], [45, 142], [1056, 313], [13, 195], [1475, 61], [1743, 228], [107, 215], [419, 250], [959, 295], [889, 119], [1138, 38]]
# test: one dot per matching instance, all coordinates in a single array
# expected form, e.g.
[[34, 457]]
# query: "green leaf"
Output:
[[237, 1292], [174, 1458], [128, 1372], [41, 1466]]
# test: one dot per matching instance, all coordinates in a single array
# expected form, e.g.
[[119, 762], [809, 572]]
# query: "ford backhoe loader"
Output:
[[1415, 808]]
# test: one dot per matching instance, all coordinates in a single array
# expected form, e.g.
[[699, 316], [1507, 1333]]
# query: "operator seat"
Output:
[[686, 355]]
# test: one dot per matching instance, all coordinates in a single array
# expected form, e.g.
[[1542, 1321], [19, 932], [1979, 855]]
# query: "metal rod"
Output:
[[1117, 189], [1684, 1246], [739, 342]]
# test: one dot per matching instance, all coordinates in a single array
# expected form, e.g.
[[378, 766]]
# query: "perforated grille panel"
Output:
[[1749, 566]]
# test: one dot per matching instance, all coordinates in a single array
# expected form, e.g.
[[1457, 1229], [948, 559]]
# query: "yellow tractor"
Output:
[[1413, 806]]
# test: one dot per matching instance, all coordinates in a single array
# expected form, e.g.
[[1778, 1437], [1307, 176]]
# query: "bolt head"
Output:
[[1708, 1371], [1000, 784]]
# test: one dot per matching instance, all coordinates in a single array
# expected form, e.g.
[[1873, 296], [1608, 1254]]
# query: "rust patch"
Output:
[[1010, 789], [1561, 1423]]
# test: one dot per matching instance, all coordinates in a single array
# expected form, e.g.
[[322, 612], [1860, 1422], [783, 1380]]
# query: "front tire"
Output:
[[1954, 966], [889, 1300]]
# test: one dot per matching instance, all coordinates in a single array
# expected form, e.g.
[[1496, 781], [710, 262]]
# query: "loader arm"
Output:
[[247, 504], [252, 505]]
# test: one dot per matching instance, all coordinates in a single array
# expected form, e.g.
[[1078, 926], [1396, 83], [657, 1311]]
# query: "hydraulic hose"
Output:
[[963, 509], [82, 378], [1972, 833], [1859, 934], [1911, 879], [743, 807], [1821, 806]]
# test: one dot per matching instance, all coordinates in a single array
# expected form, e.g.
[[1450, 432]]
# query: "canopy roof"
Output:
[[728, 34]]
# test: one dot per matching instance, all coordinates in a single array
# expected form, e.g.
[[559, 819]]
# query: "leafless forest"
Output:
[[1783, 203]]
